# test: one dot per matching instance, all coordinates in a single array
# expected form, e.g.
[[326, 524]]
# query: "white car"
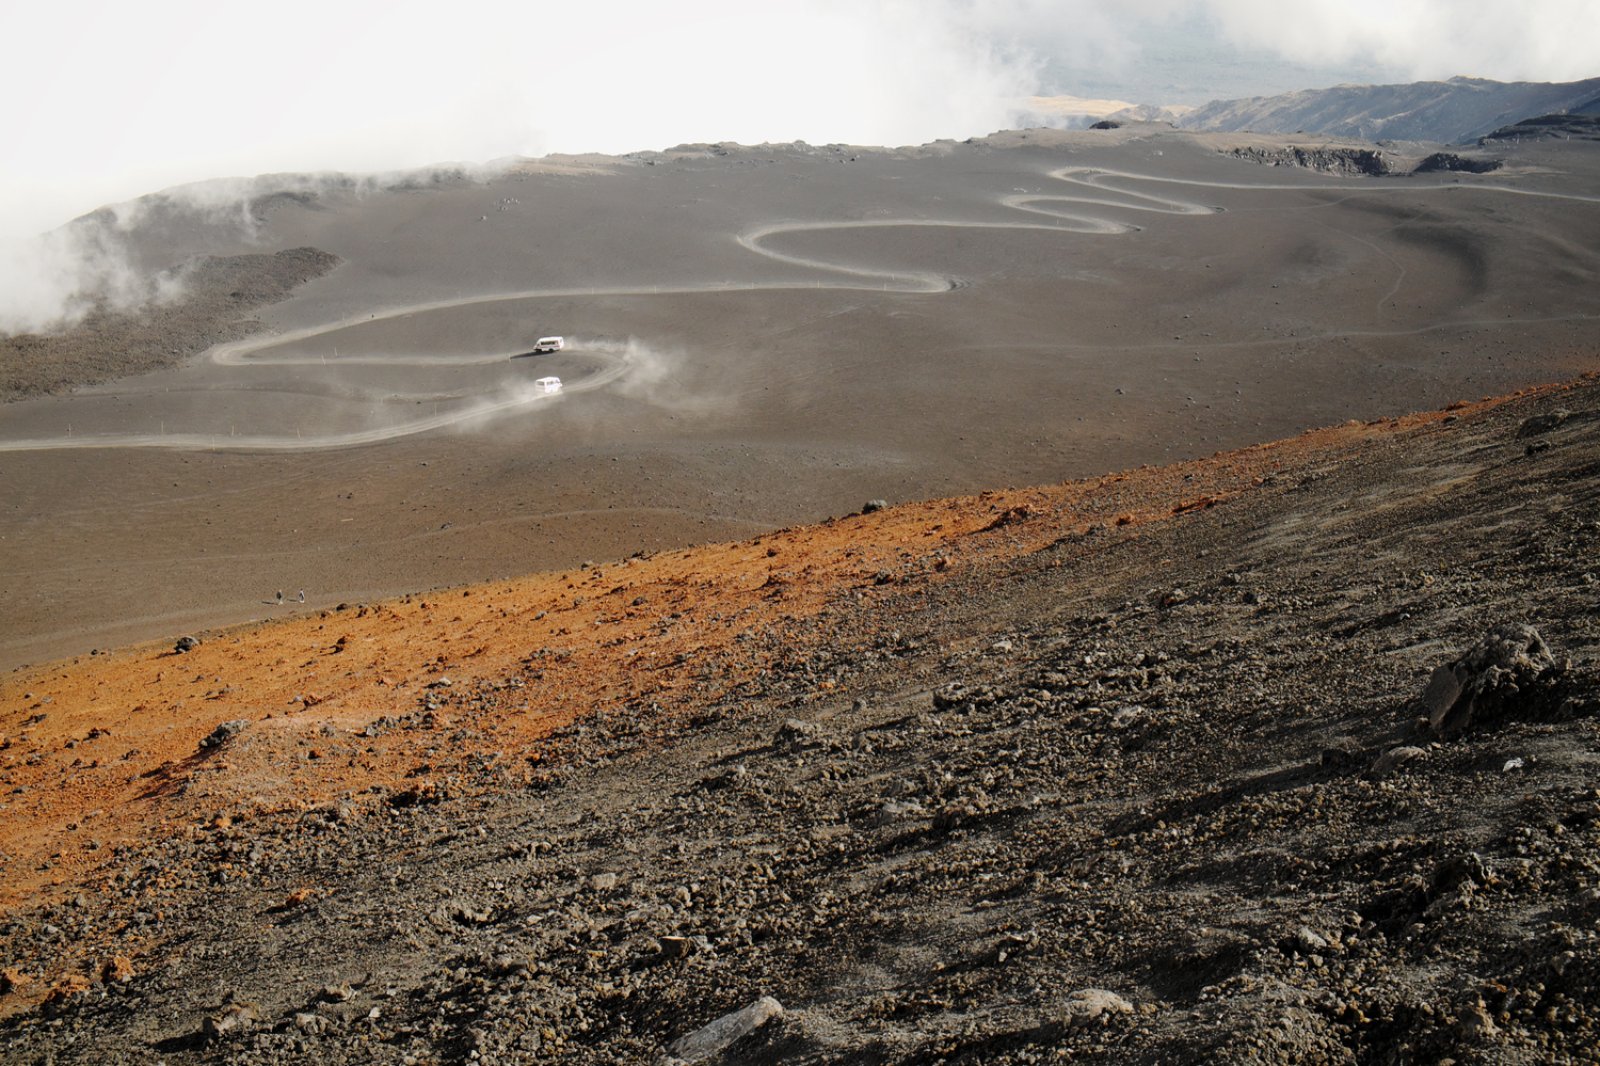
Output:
[[548, 384], [549, 344]]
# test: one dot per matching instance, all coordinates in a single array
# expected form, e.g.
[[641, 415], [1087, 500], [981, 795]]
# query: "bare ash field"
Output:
[[759, 336]]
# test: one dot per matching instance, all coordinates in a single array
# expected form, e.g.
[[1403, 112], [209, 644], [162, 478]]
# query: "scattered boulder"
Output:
[[1341, 753], [298, 898], [424, 793], [1509, 672], [796, 735], [707, 1041], [509, 964], [225, 732], [681, 947], [960, 814], [116, 970], [1106, 124], [1094, 1004], [1309, 940], [894, 812], [874, 505], [1542, 423], [1011, 516], [675, 947], [186, 644], [463, 912], [232, 1018], [1395, 758], [956, 696], [1453, 873], [75, 984], [1476, 1026]]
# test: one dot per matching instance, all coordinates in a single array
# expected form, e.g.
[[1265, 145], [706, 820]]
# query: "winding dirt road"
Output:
[[615, 361]]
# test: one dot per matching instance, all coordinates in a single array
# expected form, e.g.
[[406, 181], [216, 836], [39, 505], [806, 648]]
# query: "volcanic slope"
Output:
[[761, 336], [1126, 770]]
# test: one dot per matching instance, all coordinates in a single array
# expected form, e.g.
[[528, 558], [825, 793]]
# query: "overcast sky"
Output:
[[108, 100]]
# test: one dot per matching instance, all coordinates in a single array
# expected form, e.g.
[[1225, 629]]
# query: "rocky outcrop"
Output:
[[1509, 672], [1348, 161], [1440, 162]]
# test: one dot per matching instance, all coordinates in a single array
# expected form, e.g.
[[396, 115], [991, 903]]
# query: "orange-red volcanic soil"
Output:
[[392, 696]]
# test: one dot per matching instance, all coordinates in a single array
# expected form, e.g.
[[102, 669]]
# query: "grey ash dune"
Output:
[[1152, 796]]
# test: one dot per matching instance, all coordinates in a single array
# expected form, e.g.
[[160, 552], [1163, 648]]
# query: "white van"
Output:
[[549, 344], [548, 384]]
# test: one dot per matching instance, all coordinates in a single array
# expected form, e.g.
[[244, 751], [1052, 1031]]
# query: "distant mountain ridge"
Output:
[[1448, 112]]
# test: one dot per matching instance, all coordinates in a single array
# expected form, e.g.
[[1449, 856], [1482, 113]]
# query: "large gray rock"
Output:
[[705, 1042], [796, 735], [224, 732], [1504, 673], [1094, 1004], [1395, 758], [1537, 424]]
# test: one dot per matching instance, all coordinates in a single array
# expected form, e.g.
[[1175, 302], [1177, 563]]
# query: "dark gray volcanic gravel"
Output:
[[1162, 764]]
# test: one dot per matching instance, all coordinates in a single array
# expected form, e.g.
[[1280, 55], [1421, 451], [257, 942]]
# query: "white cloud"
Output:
[[125, 99], [128, 98], [1530, 40]]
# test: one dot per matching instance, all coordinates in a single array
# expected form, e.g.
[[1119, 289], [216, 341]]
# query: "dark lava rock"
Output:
[[234, 1017], [1542, 423], [1508, 673], [1342, 753], [796, 735], [417, 795], [224, 732], [1440, 162], [1455, 872], [1368, 161], [1395, 758], [186, 644]]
